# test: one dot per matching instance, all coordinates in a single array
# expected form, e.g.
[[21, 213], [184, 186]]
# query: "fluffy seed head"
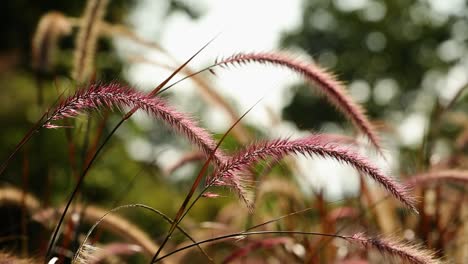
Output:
[[260, 244], [314, 145], [326, 83], [400, 250], [50, 28], [116, 96], [86, 255]]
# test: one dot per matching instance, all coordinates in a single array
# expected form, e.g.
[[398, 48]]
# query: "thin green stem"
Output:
[[88, 166], [164, 216], [77, 187], [240, 234], [182, 212]]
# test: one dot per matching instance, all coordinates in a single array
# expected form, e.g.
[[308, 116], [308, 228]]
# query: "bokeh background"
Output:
[[403, 60]]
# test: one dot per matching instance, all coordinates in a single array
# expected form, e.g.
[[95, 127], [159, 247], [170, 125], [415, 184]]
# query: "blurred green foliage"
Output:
[[388, 52]]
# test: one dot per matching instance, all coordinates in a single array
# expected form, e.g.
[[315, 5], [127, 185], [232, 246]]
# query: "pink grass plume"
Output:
[[232, 172], [112, 96], [325, 82]]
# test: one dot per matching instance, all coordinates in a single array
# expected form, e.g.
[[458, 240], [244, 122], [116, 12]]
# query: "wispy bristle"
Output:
[[316, 145], [87, 254], [117, 96], [7, 258], [50, 28], [326, 83], [403, 251]]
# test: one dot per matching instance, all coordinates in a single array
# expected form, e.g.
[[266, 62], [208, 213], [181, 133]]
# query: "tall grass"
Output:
[[276, 216]]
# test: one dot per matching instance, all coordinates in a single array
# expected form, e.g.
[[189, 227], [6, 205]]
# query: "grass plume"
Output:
[[326, 83], [117, 96], [186, 159], [400, 250], [314, 145], [7, 258]]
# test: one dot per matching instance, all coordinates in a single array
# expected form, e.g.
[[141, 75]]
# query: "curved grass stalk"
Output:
[[35, 128], [260, 244], [50, 28], [122, 31], [186, 159], [207, 93], [396, 249], [86, 39], [9, 258], [241, 235], [92, 214], [117, 96], [148, 246], [315, 145], [460, 176], [157, 90], [182, 212], [98, 254], [326, 83], [402, 251]]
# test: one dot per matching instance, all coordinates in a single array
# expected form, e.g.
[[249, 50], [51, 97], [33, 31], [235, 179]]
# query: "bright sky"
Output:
[[244, 26]]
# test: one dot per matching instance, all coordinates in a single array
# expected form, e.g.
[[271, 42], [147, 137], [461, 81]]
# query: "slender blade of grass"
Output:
[[88, 166], [180, 214]]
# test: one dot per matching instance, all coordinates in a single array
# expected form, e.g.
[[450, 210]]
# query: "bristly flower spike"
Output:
[[326, 83], [118, 96], [231, 172], [402, 251]]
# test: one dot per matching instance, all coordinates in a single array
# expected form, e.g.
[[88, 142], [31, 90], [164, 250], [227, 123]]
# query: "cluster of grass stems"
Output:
[[366, 228]]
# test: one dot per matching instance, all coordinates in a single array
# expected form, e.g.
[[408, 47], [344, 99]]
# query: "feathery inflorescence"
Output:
[[90, 254], [342, 212], [397, 249], [327, 84], [317, 145], [188, 158], [118, 96]]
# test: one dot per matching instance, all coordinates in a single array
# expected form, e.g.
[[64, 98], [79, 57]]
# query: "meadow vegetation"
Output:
[[72, 194]]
